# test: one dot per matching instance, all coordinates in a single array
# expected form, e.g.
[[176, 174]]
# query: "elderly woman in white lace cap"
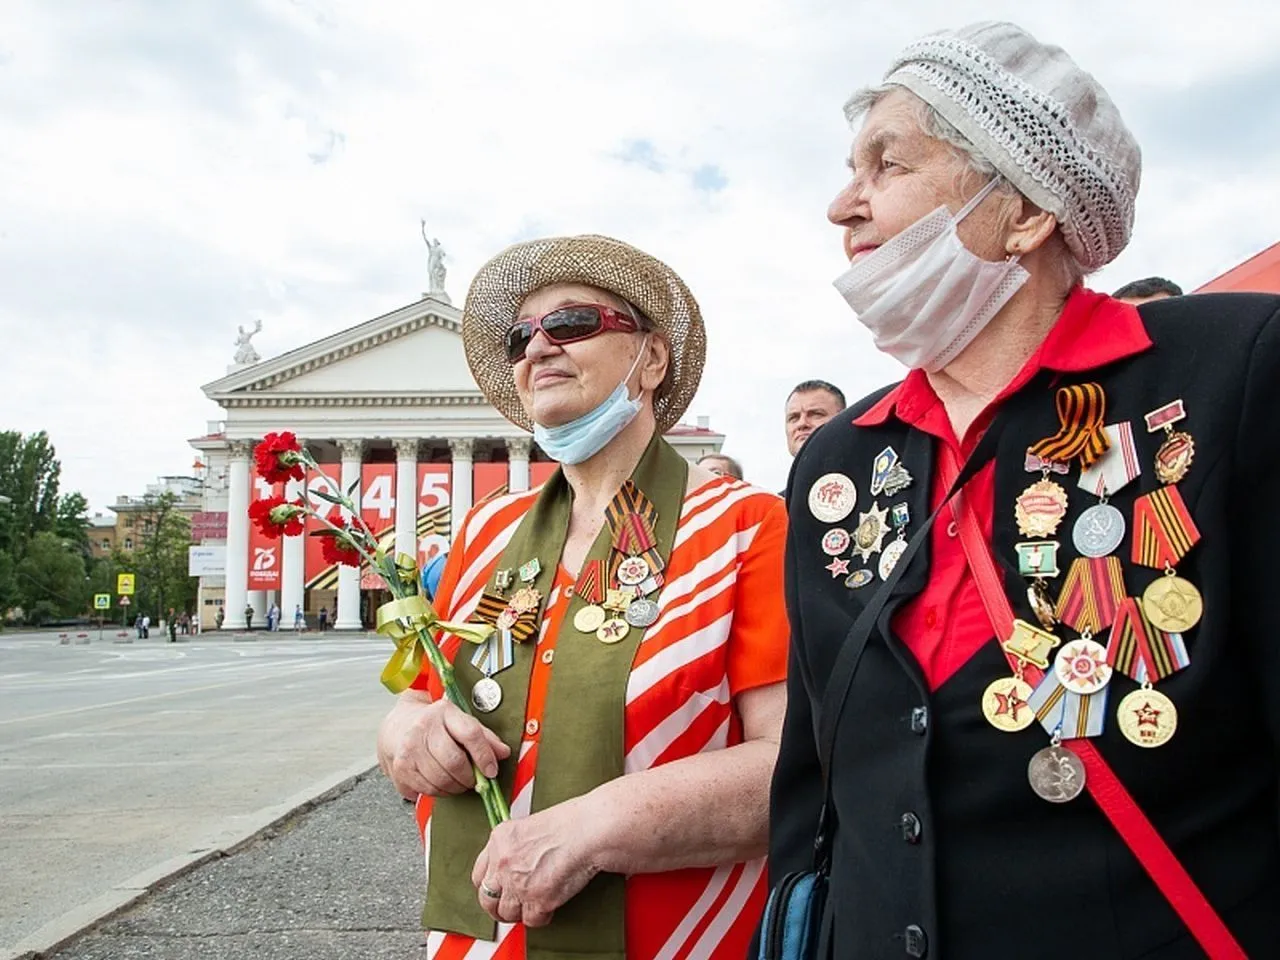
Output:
[[1049, 707]]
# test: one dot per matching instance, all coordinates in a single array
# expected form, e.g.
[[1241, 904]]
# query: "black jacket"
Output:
[[937, 829]]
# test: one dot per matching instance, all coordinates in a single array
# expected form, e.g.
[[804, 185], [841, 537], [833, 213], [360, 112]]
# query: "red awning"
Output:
[[1258, 274]]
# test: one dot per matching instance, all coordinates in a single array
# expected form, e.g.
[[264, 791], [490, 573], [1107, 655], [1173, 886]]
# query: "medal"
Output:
[[1038, 558], [1081, 408], [642, 613], [486, 695], [529, 571], [1040, 508], [900, 515], [835, 542], [1038, 600], [652, 584], [1030, 644], [1172, 604], [884, 462], [1004, 704], [1098, 531], [613, 631], [1081, 666], [1147, 718], [1117, 468], [503, 580], [889, 559], [525, 600], [859, 579], [1092, 594], [633, 571], [897, 480], [873, 526], [1056, 774], [838, 567], [832, 497], [507, 619], [589, 619], [618, 600], [1174, 457]]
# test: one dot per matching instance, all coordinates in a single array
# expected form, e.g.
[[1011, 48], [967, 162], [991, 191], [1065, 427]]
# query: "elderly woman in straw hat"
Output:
[[630, 702], [1051, 728]]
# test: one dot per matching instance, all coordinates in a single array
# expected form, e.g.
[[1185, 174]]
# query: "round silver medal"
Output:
[[889, 559], [486, 695], [1056, 774], [642, 613], [1099, 531]]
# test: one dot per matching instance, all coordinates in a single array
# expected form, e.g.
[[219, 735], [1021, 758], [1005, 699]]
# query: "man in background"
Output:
[[810, 405], [721, 465], [1148, 289]]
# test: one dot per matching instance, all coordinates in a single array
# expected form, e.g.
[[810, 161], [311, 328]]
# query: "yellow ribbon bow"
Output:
[[401, 620]]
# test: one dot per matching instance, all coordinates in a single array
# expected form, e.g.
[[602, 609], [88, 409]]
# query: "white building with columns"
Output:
[[389, 407]]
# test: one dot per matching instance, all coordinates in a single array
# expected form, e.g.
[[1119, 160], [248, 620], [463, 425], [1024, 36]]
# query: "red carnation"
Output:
[[279, 458], [277, 517], [336, 549]]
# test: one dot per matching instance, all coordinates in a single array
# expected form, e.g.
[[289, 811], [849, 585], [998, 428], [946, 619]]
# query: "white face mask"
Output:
[[923, 295]]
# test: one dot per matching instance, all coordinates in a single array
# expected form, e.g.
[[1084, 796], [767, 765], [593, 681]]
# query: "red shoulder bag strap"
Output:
[[1116, 803]]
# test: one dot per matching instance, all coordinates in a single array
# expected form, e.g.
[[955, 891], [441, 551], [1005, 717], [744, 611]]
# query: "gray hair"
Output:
[[935, 125]]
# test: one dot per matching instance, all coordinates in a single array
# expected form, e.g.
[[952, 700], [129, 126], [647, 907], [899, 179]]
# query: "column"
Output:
[[518, 450], [407, 497], [349, 577], [293, 562], [463, 449], [235, 595]]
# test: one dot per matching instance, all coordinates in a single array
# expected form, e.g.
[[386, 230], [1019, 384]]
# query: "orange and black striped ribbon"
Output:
[[1091, 594], [1163, 531], [491, 607], [591, 582], [1140, 650], [1081, 410], [633, 537]]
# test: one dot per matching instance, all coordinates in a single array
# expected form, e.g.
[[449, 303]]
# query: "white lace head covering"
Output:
[[1045, 124]]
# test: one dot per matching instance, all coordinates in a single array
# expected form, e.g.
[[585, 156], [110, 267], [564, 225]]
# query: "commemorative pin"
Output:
[[872, 528], [832, 497]]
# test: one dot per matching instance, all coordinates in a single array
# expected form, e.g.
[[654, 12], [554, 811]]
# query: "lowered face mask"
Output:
[[923, 295], [582, 438]]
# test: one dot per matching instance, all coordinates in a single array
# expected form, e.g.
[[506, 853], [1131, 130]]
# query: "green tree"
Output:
[[51, 579], [159, 557], [29, 475], [71, 521]]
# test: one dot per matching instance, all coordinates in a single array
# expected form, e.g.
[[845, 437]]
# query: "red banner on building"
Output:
[[489, 480], [378, 511], [320, 575], [540, 472], [434, 499], [264, 553]]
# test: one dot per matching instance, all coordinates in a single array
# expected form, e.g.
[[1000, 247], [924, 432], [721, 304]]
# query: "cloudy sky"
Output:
[[173, 168]]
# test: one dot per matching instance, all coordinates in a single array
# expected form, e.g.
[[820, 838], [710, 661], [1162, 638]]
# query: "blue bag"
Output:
[[793, 917]]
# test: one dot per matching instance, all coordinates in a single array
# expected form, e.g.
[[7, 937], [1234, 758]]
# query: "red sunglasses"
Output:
[[576, 321]]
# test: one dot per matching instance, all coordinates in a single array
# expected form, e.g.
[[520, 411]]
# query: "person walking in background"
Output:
[[299, 619], [324, 619]]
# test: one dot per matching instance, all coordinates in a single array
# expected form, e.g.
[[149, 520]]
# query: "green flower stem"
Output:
[[495, 804]]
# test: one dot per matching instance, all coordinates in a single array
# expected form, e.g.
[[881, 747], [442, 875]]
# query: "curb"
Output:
[[235, 834]]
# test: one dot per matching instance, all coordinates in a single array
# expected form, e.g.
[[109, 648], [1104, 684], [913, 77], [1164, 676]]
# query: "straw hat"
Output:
[[643, 281]]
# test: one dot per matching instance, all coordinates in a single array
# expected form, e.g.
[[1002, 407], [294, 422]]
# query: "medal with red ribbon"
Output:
[[1163, 531], [1092, 594], [592, 582], [1142, 651], [1081, 409]]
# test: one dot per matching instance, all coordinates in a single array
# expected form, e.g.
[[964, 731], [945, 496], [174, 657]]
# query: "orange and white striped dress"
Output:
[[721, 629]]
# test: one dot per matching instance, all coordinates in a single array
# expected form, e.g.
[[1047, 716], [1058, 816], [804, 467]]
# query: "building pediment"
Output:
[[410, 356]]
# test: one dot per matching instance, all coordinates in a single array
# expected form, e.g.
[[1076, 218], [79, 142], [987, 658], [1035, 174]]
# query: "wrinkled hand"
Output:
[[537, 863], [430, 748]]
